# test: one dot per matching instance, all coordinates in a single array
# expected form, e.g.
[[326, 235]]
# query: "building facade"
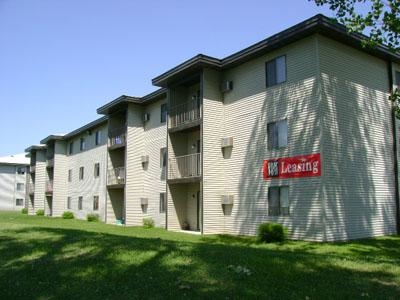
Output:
[[296, 129], [13, 182]]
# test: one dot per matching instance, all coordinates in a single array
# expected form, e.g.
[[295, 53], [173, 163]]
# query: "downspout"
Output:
[[396, 167]]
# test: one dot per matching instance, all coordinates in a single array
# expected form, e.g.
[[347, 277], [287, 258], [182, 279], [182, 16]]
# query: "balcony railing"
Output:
[[185, 166], [49, 187], [184, 113], [32, 169], [31, 189], [50, 162], [117, 138], [116, 176]]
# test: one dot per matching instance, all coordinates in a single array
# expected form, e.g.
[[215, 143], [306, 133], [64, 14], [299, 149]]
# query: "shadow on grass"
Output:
[[51, 263]]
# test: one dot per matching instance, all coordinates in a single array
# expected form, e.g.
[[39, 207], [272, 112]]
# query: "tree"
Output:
[[378, 19]]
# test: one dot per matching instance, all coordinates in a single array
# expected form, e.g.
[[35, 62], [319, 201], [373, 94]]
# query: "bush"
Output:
[[148, 223], [272, 232], [68, 215], [24, 211], [92, 217], [40, 212]]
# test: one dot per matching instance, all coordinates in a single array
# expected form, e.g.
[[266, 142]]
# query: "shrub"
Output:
[[24, 211], [92, 217], [40, 212], [148, 223], [272, 232], [68, 215]]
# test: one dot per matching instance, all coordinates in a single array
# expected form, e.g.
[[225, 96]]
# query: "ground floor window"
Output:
[[96, 203], [69, 203], [163, 202], [80, 200], [278, 201], [19, 202]]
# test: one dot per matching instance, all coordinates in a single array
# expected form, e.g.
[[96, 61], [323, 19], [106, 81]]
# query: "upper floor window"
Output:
[[275, 71], [20, 186], [21, 170], [82, 144], [397, 79], [97, 138], [81, 172], [278, 201], [95, 202], [163, 202], [19, 202], [163, 113], [71, 148], [96, 170], [277, 134], [163, 157], [69, 175], [69, 203]]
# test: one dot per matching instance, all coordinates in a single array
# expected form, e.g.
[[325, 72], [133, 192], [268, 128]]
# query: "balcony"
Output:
[[49, 188], [31, 189], [185, 115], [32, 169], [116, 177], [117, 138], [50, 163], [186, 168]]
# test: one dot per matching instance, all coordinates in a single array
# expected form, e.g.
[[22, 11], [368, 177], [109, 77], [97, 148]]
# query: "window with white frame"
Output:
[[69, 203], [82, 144], [275, 70], [95, 202], [19, 202], [81, 173], [20, 187], [163, 118], [278, 201], [69, 175], [96, 170], [21, 170], [163, 157], [277, 134], [97, 138], [80, 202], [163, 202]]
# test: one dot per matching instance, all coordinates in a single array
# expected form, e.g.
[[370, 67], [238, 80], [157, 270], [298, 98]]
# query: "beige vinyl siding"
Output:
[[60, 180], [134, 184], [155, 135], [90, 186], [40, 181], [213, 168], [248, 108], [357, 142]]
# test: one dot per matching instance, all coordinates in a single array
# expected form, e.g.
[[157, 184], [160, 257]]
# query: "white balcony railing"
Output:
[[184, 113], [185, 166], [117, 137], [32, 169], [50, 162], [49, 186], [116, 176]]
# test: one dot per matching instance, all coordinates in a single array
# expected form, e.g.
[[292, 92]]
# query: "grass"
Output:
[[53, 258]]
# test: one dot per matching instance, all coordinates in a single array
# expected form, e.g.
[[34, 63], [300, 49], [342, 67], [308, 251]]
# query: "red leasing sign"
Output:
[[293, 167]]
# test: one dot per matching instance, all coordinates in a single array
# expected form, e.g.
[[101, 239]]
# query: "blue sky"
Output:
[[61, 60]]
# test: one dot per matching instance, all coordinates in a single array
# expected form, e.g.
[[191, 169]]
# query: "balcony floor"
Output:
[[184, 180], [190, 126]]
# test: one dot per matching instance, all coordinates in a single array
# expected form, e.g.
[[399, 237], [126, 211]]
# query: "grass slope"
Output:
[[49, 258]]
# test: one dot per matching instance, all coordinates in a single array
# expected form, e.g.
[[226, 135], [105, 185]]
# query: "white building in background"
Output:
[[12, 181]]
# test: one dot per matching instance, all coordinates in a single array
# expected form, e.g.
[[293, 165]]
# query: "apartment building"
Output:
[[296, 129], [13, 170], [136, 154]]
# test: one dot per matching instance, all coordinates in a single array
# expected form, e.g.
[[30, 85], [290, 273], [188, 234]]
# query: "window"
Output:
[[163, 202], [163, 157], [19, 202], [97, 138], [96, 170], [21, 170], [277, 134], [80, 200], [20, 186], [82, 144], [275, 71], [96, 203], [69, 203], [81, 171], [278, 201], [163, 112], [69, 175], [71, 148], [397, 79]]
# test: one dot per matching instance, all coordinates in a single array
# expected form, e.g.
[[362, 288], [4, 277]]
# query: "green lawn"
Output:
[[50, 258]]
